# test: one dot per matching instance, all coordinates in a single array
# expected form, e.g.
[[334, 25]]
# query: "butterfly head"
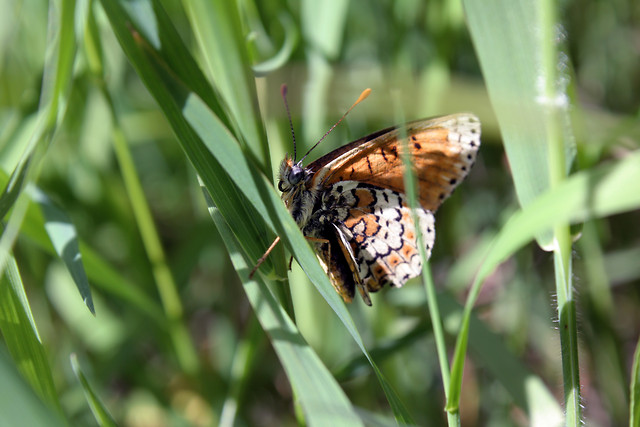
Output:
[[293, 183]]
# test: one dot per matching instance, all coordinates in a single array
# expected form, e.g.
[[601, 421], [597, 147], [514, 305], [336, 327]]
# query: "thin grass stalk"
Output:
[[167, 289], [244, 360], [411, 191], [554, 100]]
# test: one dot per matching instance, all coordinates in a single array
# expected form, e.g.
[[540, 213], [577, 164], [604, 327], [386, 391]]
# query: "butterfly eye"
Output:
[[281, 186], [295, 175]]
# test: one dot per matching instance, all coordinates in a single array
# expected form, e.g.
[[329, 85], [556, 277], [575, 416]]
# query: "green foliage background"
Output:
[[117, 116]]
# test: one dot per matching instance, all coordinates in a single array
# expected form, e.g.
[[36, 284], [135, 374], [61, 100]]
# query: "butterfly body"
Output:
[[351, 202]]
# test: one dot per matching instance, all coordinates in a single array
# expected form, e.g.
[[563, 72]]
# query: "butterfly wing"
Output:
[[367, 238], [443, 150], [339, 262], [383, 236]]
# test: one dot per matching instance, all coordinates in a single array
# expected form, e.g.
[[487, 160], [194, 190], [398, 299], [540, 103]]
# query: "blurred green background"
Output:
[[420, 61]]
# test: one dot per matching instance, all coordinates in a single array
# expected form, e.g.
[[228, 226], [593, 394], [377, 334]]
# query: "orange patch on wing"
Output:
[[365, 198], [393, 259], [371, 225], [408, 251], [359, 219], [439, 163]]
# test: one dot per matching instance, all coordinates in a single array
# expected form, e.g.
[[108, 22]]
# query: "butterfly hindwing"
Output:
[[372, 228], [384, 237]]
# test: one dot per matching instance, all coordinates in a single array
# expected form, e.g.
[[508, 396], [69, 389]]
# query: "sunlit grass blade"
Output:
[[322, 26], [321, 398], [21, 336], [588, 194], [411, 190], [510, 45], [64, 238], [217, 28], [98, 409], [55, 86], [516, 42]]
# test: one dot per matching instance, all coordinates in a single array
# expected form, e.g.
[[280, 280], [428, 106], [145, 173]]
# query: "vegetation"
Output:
[[138, 145]]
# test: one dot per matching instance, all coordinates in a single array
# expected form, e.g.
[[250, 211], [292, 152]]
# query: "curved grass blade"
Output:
[[64, 238], [217, 27], [511, 50], [282, 56], [161, 77], [98, 409], [101, 274], [322, 399], [489, 350], [594, 193], [22, 338]]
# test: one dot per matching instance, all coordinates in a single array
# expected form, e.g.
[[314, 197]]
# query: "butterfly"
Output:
[[350, 203]]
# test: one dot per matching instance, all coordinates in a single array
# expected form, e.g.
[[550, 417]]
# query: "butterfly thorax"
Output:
[[299, 192]]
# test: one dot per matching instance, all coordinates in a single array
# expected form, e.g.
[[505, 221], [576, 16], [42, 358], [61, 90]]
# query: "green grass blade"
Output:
[[489, 350], [100, 274], [510, 47], [634, 407], [55, 84], [22, 338], [217, 28], [323, 26], [98, 409], [321, 398], [282, 56], [164, 281], [411, 190], [64, 238], [595, 193], [244, 358]]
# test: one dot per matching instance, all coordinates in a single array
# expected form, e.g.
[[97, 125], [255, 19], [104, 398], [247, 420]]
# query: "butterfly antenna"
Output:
[[283, 92], [361, 98]]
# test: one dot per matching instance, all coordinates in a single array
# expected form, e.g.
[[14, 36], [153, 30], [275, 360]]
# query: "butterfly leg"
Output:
[[263, 257]]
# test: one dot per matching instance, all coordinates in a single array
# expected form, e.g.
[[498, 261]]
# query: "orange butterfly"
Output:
[[351, 202]]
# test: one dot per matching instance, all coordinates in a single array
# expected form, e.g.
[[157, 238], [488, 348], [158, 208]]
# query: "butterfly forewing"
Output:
[[443, 150]]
